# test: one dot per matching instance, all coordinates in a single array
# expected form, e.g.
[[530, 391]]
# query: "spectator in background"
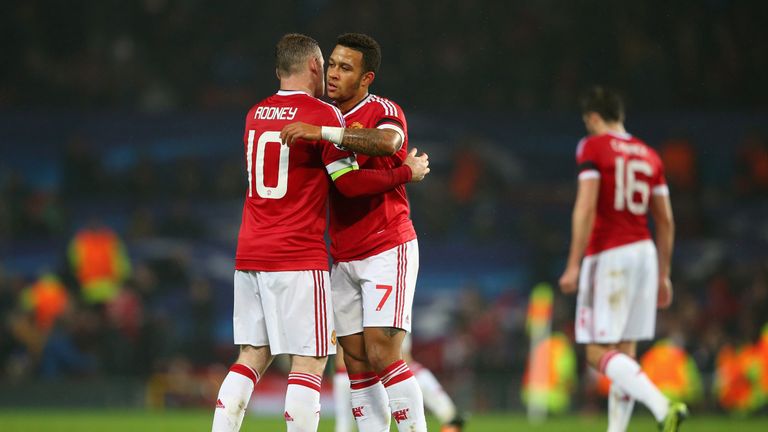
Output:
[[752, 167], [82, 174], [99, 262], [47, 299]]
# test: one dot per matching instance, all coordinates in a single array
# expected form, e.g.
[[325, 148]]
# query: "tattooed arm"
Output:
[[372, 142]]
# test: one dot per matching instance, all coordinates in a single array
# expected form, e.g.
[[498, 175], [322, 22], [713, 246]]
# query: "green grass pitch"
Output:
[[29, 420]]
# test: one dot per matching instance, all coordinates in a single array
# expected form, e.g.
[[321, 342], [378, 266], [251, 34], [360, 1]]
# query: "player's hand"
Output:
[[419, 165], [664, 299], [569, 281], [299, 130]]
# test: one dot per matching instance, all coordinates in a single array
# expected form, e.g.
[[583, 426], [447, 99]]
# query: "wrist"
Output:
[[404, 173], [332, 134]]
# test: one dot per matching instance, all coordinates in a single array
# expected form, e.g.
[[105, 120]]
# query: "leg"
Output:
[[616, 362], [250, 333], [370, 403], [620, 404], [341, 395], [238, 385], [436, 400], [302, 398], [406, 402]]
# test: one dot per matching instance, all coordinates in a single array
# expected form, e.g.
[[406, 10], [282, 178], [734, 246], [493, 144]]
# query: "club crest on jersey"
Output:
[[357, 412], [356, 125], [400, 415]]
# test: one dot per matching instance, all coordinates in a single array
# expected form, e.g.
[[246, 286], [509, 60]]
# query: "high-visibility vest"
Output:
[[47, 298], [555, 391], [673, 371], [737, 379], [100, 263]]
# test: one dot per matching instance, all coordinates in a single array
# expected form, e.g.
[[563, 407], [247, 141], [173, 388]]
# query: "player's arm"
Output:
[[661, 211], [372, 142], [582, 221], [365, 182]]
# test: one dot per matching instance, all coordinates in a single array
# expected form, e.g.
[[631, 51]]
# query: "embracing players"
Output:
[[373, 244], [282, 301]]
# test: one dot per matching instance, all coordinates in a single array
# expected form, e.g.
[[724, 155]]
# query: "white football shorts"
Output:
[[617, 295], [291, 311], [376, 291]]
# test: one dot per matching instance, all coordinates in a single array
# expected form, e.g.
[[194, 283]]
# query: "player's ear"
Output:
[[368, 78], [314, 65]]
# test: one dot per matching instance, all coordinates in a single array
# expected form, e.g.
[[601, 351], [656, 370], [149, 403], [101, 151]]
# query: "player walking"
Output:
[[622, 278]]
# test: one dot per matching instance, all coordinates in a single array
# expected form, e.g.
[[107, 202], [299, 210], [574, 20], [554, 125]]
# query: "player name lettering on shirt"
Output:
[[275, 113], [625, 147]]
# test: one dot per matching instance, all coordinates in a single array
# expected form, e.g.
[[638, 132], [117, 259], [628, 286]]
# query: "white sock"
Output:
[[436, 399], [234, 395], [370, 403], [620, 407], [405, 399], [342, 401], [302, 402], [626, 373]]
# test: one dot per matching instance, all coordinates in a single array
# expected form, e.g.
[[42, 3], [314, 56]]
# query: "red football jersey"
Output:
[[629, 172], [284, 215], [365, 226]]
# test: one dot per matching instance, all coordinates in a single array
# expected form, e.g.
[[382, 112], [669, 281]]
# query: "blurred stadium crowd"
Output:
[[117, 227], [161, 54]]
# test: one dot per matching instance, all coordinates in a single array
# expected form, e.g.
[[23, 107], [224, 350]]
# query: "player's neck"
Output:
[[347, 105], [614, 128], [296, 83]]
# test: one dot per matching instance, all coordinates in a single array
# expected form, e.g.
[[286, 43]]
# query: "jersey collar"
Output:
[[359, 104], [291, 93], [620, 135]]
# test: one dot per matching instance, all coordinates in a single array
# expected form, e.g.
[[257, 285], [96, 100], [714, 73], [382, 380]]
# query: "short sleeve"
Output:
[[392, 117], [587, 160]]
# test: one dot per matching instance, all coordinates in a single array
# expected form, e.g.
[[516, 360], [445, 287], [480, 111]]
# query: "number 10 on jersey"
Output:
[[258, 169]]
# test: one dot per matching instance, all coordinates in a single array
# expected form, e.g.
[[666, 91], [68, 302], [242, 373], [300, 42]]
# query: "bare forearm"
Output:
[[372, 142], [581, 226], [665, 239]]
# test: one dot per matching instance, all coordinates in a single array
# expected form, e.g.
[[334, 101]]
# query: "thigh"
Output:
[[298, 308], [607, 299], [585, 300], [644, 286], [248, 319], [347, 300], [388, 286]]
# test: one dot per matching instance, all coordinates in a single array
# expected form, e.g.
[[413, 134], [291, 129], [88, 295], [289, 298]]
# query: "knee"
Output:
[[382, 353]]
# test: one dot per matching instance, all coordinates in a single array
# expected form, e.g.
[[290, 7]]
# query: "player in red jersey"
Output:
[[623, 277], [281, 284], [373, 244]]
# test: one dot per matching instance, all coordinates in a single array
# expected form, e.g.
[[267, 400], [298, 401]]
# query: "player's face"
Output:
[[589, 122], [345, 73]]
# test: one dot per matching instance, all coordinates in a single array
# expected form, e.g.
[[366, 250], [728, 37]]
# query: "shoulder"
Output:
[[587, 145], [387, 106], [323, 110], [255, 106], [332, 111]]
